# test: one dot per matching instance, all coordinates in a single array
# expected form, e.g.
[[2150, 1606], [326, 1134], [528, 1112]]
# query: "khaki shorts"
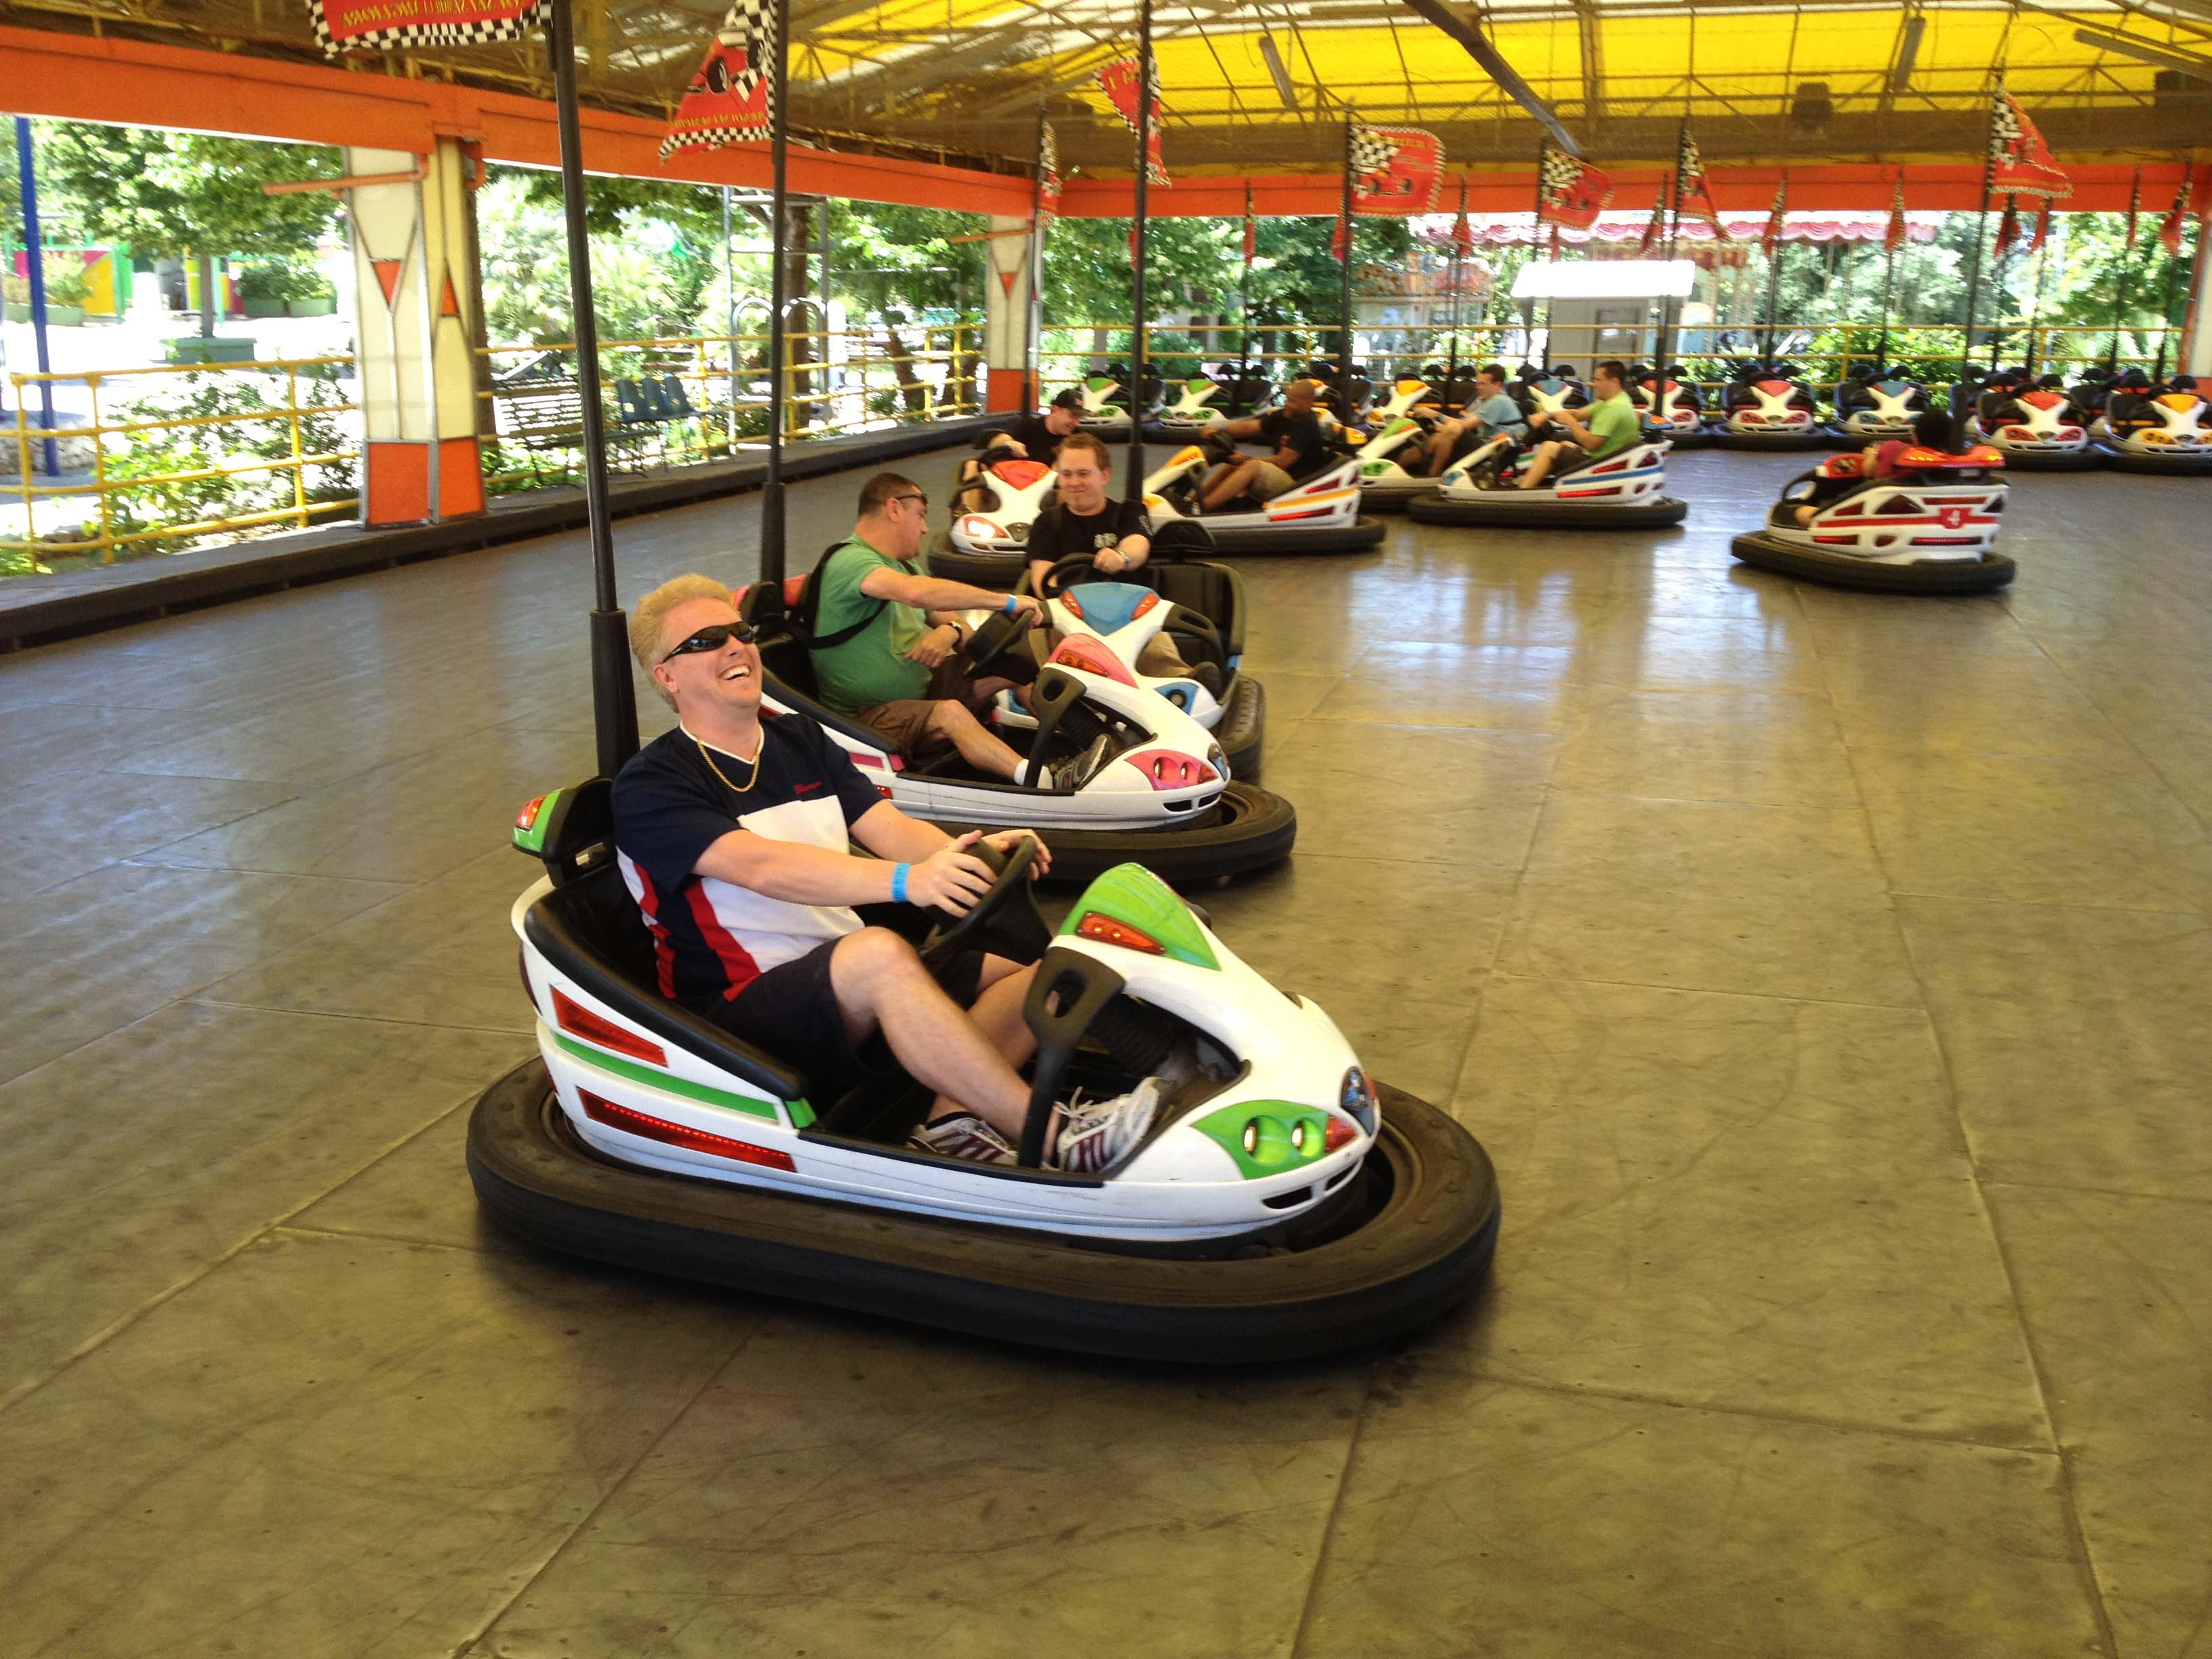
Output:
[[1271, 482], [903, 724]]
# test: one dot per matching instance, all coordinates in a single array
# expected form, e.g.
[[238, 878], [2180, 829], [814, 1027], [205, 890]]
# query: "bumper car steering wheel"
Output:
[[1004, 921], [991, 649], [1180, 621]]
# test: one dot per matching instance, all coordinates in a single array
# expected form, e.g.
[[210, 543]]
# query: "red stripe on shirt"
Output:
[[737, 963], [664, 953]]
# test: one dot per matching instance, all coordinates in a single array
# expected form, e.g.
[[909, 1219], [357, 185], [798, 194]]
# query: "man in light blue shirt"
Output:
[[1491, 415]]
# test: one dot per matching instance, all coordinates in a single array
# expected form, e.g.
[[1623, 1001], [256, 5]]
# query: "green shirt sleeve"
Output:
[[1612, 420], [873, 667]]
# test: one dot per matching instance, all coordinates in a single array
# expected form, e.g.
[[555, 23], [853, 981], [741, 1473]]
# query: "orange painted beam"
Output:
[[137, 83], [1839, 188]]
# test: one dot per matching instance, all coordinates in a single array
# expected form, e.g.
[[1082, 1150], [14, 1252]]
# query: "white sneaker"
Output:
[[963, 1135], [1094, 1138]]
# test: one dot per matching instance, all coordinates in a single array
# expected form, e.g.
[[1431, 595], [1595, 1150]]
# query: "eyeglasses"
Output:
[[923, 500], [714, 638]]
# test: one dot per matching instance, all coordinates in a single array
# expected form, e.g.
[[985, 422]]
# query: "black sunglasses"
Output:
[[917, 496], [714, 638]]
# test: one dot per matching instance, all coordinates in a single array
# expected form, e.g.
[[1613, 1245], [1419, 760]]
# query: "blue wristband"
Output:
[[1007, 608], [898, 883]]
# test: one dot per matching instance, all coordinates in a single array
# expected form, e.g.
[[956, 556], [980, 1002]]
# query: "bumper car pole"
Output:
[[772, 560], [1344, 340], [1137, 354], [614, 705], [1974, 265]]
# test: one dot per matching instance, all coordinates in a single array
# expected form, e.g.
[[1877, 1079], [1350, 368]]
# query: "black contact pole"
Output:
[[778, 154], [1997, 258], [1344, 303], [1974, 253], [1773, 284], [1136, 388], [1674, 228], [1033, 313], [1244, 299], [614, 703], [1536, 248], [1451, 277], [1888, 288]]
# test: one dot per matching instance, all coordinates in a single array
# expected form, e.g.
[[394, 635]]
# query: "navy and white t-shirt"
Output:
[[710, 938]]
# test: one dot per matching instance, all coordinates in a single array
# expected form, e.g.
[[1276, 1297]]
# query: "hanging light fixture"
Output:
[[1908, 52], [2144, 52], [1284, 88]]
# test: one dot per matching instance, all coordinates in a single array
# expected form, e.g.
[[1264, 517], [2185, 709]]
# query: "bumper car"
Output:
[[1929, 529], [1318, 515], [1547, 391], [2036, 426], [987, 546], [1199, 404], [1873, 405], [1162, 795], [1105, 413], [1324, 375], [1626, 491], [1669, 406], [1282, 1206], [1384, 483], [1406, 396], [2156, 426], [1768, 407], [1105, 625]]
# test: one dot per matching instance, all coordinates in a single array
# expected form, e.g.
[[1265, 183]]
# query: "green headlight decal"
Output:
[[1267, 1137], [1135, 897]]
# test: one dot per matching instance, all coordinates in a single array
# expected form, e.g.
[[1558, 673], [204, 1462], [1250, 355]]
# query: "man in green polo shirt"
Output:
[[894, 669], [1606, 428]]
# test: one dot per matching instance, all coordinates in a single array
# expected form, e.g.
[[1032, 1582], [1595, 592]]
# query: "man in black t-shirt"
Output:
[[1028, 436], [733, 834], [1116, 535], [1301, 451]]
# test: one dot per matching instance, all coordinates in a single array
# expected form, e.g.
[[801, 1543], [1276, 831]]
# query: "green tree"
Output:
[[181, 193]]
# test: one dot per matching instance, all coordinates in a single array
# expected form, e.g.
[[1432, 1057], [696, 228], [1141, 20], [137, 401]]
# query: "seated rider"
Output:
[[1115, 534], [1609, 425], [1301, 451], [1027, 436], [1488, 415], [1932, 428], [898, 675], [733, 832]]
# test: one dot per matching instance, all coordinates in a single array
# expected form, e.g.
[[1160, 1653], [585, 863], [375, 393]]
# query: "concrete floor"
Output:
[[1828, 975]]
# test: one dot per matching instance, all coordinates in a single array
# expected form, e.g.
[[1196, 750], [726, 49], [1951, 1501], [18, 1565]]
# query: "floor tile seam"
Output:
[[1712, 990], [2077, 1533], [149, 860], [1310, 1601], [2004, 1183], [124, 1322], [2058, 904], [467, 1648], [1766, 1415], [145, 853], [199, 1001], [341, 1234], [2127, 737]]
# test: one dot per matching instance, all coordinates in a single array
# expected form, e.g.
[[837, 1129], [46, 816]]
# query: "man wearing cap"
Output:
[[1027, 436]]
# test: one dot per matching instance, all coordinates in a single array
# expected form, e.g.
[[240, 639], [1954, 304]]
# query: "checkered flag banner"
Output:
[[1118, 81], [1892, 238], [1770, 238], [2170, 227], [1395, 169], [1653, 226], [1690, 185], [727, 102], [1569, 191], [1048, 196], [342, 26], [2135, 208], [2019, 161]]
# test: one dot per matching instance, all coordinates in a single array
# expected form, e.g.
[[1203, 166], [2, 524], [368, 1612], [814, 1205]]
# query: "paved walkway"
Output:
[[1827, 974]]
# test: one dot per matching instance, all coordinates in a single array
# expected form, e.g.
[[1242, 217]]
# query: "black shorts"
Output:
[[791, 1012]]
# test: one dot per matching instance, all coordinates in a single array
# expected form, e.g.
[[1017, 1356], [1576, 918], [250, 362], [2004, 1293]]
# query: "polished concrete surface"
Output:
[[1829, 976]]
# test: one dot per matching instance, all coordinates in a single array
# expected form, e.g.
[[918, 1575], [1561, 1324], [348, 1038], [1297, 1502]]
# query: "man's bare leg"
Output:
[[881, 985], [1442, 442], [980, 749], [1231, 483], [1540, 463]]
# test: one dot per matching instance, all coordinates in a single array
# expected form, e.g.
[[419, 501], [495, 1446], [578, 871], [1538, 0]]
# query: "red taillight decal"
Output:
[[1074, 605], [679, 1135], [1340, 1133], [1107, 931], [528, 815], [1079, 651], [577, 1020]]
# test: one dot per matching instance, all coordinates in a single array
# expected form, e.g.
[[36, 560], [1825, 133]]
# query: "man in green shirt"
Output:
[[894, 669], [1608, 426]]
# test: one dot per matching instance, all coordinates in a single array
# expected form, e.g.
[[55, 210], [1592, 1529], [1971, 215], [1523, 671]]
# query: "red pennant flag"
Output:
[[2007, 229], [1655, 224], [1569, 191], [1118, 81], [1340, 240], [1251, 229], [2169, 229], [2134, 207], [1395, 169], [1462, 233], [341, 26], [1048, 196], [727, 102], [2042, 232], [1691, 188], [1770, 238], [1892, 238], [2019, 161]]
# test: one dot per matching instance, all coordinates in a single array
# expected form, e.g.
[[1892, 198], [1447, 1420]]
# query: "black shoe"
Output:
[[1074, 773], [1209, 676]]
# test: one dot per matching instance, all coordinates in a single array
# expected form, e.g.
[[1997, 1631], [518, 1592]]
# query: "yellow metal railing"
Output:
[[116, 488]]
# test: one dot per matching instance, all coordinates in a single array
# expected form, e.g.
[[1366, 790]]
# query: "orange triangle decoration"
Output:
[[387, 278], [1006, 282], [449, 303]]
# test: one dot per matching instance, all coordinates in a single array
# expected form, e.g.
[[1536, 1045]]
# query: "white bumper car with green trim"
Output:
[[1281, 1205]]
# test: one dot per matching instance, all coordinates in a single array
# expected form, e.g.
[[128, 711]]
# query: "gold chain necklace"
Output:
[[707, 755]]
